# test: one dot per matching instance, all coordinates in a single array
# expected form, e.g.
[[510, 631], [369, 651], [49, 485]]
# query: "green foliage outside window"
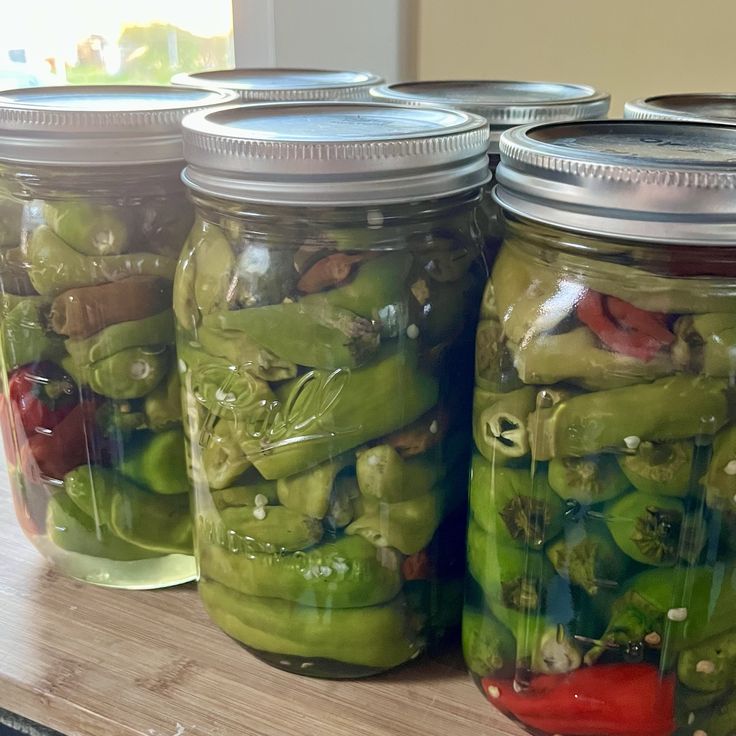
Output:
[[152, 54]]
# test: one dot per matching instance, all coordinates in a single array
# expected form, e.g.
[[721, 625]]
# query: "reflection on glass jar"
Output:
[[92, 416], [326, 359], [602, 577]]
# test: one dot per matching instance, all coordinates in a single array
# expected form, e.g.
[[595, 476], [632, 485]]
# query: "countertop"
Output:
[[88, 661]]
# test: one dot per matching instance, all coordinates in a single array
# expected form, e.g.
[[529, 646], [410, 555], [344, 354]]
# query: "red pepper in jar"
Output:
[[653, 324], [8, 427], [603, 700], [68, 444], [624, 328], [417, 566], [701, 261], [41, 396], [329, 272], [421, 435]]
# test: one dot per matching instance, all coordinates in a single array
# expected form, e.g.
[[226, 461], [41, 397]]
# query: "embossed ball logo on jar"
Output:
[[302, 416]]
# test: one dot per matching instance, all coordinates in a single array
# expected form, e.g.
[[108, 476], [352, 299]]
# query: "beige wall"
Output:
[[630, 48]]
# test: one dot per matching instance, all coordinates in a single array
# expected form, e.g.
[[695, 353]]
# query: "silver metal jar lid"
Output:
[[704, 108], [504, 104], [285, 85], [98, 125], [339, 153], [662, 182]]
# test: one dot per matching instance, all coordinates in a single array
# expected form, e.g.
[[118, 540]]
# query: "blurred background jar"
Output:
[[285, 85], [91, 414], [698, 107], [601, 549], [503, 104], [326, 308]]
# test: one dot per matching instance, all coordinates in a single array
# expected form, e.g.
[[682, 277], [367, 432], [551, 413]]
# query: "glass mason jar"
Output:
[[325, 306], [285, 85], [11, 215], [503, 104], [602, 586], [91, 418], [692, 106]]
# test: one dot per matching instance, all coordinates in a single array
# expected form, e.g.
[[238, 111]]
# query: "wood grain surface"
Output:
[[88, 661]]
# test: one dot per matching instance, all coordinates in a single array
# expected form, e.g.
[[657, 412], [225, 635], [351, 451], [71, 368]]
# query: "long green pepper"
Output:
[[374, 636], [676, 408]]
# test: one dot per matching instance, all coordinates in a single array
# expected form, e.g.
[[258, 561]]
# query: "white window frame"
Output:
[[308, 33], [254, 35]]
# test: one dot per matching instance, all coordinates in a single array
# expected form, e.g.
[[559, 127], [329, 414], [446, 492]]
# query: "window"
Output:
[[131, 41], [46, 42]]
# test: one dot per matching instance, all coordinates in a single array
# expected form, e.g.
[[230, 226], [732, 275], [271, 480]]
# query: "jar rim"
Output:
[[282, 84], [704, 107], [652, 181], [503, 103], [337, 153], [99, 125]]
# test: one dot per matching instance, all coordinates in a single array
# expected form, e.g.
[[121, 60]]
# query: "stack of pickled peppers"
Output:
[[336, 359], [326, 355], [88, 339], [601, 551], [92, 410]]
